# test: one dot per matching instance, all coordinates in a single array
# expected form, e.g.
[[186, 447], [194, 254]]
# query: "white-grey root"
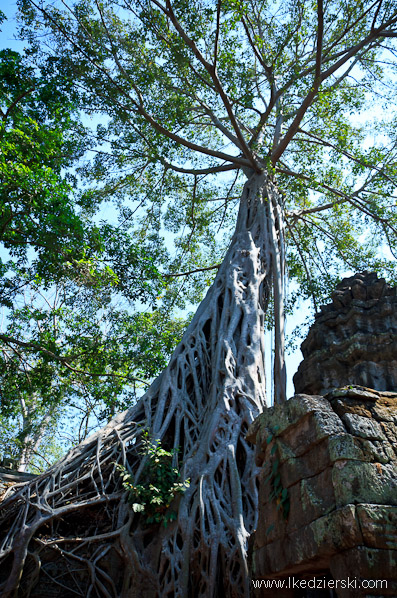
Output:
[[72, 532]]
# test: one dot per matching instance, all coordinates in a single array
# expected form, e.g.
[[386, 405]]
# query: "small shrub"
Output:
[[159, 486]]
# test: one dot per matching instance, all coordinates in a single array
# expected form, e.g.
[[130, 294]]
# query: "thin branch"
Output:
[[376, 14], [15, 102], [138, 106], [313, 92], [218, 123], [217, 266], [193, 146], [218, 15], [266, 68], [320, 35], [344, 55], [348, 29], [212, 72], [304, 264], [353, 199], [227, 199], [347, 154], [198, 171], [282, 145], [10, 341]]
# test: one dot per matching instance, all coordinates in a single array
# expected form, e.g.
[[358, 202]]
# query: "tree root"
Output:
[[70, 532]]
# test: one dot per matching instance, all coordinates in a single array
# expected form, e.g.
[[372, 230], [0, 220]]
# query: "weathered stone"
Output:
[[363, 426], [369, 565], [386, 410], [357, 481], [336, 456], [378, 524], [359, 290], [354, 392], [336, 462], [312, 430], [316, 418], [271, 523], [376, 451], [345, 447], [353, 340], [307, 465], [312, 544], [353, 406], [310, 499]]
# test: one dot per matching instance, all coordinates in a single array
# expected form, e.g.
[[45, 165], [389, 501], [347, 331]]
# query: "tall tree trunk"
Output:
[[32, 432], [203, 403]]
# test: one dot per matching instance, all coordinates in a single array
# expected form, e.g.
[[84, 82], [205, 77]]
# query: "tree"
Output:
[[198, 90], [63, 341], [80, 361]]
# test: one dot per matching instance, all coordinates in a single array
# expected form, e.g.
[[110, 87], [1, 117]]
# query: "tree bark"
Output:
[[73, 531], [32, 433]]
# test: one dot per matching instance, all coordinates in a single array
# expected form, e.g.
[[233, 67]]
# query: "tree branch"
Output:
[[320, 35], [304, 263], [218, 15], [15, 102], [347, 154], [216, 266], [10, 341], [138, 106], [320, 79], [212, 72], [198, 171]]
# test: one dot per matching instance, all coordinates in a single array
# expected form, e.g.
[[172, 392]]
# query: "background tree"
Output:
[[64, 340], [193, 91]]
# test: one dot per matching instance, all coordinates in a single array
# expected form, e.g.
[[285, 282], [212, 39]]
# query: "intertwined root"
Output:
[[71, 533]]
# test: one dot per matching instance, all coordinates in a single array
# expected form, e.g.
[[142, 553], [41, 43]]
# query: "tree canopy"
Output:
[[66, 341], [191, 99], [274, 108], [199, 96], [193, 90]]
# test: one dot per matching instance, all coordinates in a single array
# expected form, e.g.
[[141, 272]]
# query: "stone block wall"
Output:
[[337, 461], [10, 478]]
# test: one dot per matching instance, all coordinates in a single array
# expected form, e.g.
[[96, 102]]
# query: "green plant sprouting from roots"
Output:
[[160, 483]]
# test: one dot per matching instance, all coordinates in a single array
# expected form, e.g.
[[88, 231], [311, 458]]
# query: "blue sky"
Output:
[[7, 39]]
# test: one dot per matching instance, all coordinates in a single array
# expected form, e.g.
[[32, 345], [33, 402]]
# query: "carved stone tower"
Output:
[[353, 339]]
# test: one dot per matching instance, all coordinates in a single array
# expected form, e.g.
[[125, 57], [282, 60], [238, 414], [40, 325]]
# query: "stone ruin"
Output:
[[327, 459], [353, 339], [327, 521], [11, 478]]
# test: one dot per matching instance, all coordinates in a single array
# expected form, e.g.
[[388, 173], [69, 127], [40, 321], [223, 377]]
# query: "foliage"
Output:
[[188, 99], [275, 86], [195, 97], [48, 233], [159, 485], [92, 359], [67, 284]]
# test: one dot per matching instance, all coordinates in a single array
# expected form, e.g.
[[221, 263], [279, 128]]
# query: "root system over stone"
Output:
[[71, 532]]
